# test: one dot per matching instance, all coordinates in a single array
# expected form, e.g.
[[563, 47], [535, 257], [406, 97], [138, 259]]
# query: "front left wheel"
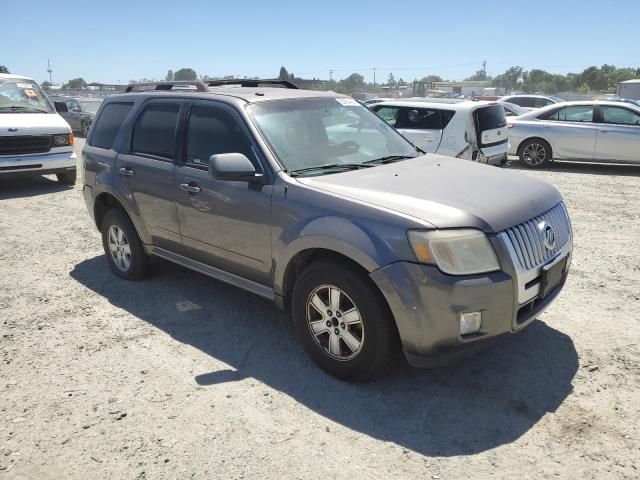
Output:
[[68, 177], [343, 322]]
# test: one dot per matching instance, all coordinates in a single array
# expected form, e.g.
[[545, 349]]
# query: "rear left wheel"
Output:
[[535, 153], [123, 247]]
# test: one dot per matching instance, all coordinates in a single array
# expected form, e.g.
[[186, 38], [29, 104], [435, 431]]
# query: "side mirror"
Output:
[[61, 107], [232, 166]]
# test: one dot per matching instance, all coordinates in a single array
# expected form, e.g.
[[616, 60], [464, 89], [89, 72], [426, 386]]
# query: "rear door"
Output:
[[571, 131], [421, 126], [225, 224], [146, 171], [618, 136], [491, 128]]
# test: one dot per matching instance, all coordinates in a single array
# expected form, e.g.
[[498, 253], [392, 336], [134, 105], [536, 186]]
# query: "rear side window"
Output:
[[574, 113], [490, 118], [419, 119], [619, 116], [155, 130], [108, 124], [388, 114]]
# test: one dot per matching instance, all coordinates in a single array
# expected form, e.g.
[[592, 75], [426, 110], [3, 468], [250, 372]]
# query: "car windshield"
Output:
[[321, 135], [90, 106], [22, 96]]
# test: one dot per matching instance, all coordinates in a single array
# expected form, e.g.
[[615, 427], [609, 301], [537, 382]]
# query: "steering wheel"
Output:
[[349, 147]]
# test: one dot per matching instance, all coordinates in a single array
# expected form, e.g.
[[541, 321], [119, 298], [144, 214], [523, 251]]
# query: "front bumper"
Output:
[[51, 162], [426, 305]]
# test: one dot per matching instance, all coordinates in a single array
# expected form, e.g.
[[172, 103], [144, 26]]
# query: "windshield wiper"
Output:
[[331, 166], [388, 159], [16, 107]]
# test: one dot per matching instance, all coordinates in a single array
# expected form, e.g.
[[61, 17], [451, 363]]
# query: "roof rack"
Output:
[[252, 83], [174, 85]]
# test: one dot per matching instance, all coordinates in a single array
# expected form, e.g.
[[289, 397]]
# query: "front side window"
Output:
[[619, 116], [211, 131], [108, 124], [525, 102], [22, 96], [73, 106], [155, 130], [389, 114], [574, 113], [541, 102], [327, 132]]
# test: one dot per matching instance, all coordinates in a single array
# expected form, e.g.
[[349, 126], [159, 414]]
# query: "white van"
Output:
[[34, 139], [464, 129]]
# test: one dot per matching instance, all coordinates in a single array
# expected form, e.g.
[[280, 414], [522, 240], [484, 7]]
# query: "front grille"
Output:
[[24, 144], [528, 242]]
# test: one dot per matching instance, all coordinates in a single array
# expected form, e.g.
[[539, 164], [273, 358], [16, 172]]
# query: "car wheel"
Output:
[[68, 177], [535, 153], [84, 129], [343, 322], [123, 247]]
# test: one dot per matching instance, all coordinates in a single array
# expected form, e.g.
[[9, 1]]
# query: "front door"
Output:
[[618, 135], [225, 224], [146, 172], [572, 132]]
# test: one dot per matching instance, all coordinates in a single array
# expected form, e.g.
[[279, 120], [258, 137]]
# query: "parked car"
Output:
[[513, 110], [34, 139], [585, 131], [531, 101], [76, 115], [626, 100], [462, 129], [311, 200]]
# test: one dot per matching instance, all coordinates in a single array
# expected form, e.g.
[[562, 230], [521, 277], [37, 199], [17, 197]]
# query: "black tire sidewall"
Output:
[[139, 259], [380, 335], [68, 177], [541, 142]]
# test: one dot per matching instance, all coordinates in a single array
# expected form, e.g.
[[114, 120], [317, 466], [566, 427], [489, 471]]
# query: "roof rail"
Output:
[[174, 85], [252, 83]]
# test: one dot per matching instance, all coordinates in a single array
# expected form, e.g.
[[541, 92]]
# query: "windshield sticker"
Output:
[[31, 93], [25, 85], [347, 102]]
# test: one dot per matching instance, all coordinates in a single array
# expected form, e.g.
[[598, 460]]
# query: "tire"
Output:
[[349, 351], [535, 153], [84, 129], [122, 246], [68, 177]]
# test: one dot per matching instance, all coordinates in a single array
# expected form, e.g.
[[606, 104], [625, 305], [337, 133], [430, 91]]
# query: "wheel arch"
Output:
[[107, 200], [535, 137]]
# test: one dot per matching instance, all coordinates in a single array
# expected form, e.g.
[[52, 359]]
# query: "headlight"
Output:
[[456, 252], [63, 140]]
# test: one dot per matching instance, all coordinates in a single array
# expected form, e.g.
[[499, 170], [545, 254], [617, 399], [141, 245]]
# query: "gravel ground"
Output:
[[181, 376]]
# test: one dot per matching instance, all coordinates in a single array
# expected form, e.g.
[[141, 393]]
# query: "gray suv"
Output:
[[311, 200]]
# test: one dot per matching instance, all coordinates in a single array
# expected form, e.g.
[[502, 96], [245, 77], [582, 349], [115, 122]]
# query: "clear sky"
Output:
[[115, 41]]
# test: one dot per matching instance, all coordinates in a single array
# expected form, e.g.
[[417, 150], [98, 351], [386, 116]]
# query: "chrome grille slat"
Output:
[[528, 243]]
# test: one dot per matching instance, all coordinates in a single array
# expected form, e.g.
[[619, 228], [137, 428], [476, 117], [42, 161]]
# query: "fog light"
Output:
[[470, 322]]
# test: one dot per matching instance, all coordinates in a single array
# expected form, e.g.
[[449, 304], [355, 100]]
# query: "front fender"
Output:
[[330, 233]]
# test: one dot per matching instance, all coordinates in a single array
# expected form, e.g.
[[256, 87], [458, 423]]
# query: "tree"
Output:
[[509, 79], [46, 84], [352, 83], [391, 81], [432, 78], [75, 84], [478, 76], [169, 77], [185, 74], [4, 69], [283, 75]]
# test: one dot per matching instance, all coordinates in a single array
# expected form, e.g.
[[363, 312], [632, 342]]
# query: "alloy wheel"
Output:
[[534, 154], [335, 322], [119, 248]]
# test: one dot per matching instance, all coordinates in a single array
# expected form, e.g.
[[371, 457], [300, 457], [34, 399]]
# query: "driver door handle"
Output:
[[126, 171], [190, 187]]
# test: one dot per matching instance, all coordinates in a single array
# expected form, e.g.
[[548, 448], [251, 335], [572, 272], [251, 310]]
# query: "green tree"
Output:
[[432, 78], [391, 81], [283, 75], [352, 83], [75, 84], [169, 77], [185, 74], [478, 76], [509, 79], [46, 84], [4, 69]]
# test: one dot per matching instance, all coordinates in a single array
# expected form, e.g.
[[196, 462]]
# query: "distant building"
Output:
[[629, 89], [467, 89]]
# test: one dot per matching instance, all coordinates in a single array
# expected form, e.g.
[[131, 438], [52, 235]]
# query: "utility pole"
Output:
[[50, 71], [484, 68], [330, 77], [374, 80]]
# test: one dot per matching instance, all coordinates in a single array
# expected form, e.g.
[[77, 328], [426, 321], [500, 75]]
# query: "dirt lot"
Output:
[[184, 377]]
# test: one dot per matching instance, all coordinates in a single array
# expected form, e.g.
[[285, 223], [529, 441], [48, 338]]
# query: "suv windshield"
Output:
[[22, 96], [321, 135]]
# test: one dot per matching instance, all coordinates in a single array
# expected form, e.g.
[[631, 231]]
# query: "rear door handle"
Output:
[[126, 171], [190, 187]]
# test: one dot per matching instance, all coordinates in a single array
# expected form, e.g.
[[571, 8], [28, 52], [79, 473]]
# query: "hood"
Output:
[[32, 123], [445, 192]]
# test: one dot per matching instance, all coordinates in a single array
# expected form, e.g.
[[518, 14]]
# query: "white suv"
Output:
[[34, 139], [463, 129]]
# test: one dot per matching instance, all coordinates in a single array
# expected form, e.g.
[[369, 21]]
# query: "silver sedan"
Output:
[[583, 131]]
